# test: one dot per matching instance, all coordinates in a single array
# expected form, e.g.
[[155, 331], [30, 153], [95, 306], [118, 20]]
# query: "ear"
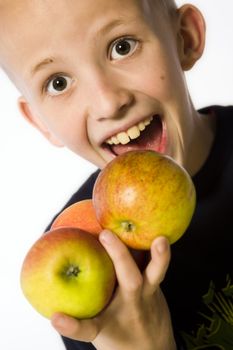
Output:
[[35, 121], [191, 35]]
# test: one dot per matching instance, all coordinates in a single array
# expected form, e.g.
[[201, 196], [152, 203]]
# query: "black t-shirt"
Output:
[[199, 282]]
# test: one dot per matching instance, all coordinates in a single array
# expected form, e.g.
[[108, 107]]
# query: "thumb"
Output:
[[83, 330]]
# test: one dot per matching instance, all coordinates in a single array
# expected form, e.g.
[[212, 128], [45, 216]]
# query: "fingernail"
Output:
[[162, 246], [106, 237]]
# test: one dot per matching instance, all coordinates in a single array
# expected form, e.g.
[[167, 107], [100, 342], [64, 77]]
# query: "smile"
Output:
[[147, 134], [131, 134]]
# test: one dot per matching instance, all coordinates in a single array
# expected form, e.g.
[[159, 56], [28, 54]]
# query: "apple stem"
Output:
[[128, 226], [72, 271]]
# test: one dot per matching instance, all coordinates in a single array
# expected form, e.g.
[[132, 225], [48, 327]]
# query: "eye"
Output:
[[58, 84], [122, 48]]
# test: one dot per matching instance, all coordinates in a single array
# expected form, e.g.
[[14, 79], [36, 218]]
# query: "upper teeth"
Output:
[[134, 132]]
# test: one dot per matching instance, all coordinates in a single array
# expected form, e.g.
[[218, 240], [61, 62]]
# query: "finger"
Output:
[[157, 267], [83, 330], [128, 275]]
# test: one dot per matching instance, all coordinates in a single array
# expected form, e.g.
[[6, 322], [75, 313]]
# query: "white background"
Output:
[[36, 179]]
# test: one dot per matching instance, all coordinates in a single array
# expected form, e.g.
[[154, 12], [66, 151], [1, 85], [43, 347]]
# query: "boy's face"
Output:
[[96, 73]]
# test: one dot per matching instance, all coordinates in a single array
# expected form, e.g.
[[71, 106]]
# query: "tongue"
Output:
[[149, 139]]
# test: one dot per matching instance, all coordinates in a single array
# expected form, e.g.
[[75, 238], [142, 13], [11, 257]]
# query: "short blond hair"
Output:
[[169, 5]]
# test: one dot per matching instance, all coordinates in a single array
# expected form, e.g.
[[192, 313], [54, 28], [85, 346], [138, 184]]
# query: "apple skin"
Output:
[[69, 271], [141, 195], [80, 215]]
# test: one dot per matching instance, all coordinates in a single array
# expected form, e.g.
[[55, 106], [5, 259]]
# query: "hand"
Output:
[[138, 315]]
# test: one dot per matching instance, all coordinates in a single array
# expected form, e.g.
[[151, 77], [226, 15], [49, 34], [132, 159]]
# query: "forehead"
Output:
[[25, 18], [10, 9], [15, 15], [20, 18], [27, 27]]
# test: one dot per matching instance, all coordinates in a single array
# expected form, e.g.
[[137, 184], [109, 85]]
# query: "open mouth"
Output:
[[148, 134]]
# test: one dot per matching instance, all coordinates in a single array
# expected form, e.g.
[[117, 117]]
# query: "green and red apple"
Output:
[[141, 195], [67, 270]]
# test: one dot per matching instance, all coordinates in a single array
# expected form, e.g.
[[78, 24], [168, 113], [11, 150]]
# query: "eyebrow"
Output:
[[45, 62], [107, 27], [50, 60]]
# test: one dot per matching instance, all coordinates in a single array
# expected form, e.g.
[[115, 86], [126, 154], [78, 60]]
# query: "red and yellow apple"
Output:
[[68, 270], [80, 215], [140, 195]]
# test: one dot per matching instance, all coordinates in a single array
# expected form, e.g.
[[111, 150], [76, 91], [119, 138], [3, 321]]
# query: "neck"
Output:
[[203, 138]]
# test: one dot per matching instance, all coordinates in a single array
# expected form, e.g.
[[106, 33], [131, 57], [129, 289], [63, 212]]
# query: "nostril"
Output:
[[128, 102]]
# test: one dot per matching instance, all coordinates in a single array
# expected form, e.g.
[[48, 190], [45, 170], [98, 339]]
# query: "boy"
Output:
[[105, 76]]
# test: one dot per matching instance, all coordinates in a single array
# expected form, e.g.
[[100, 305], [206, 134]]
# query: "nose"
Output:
[[109, 99]]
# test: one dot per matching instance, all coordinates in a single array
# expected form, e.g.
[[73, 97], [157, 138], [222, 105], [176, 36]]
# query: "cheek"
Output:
[[67, 124], [164, 71], [165, 84], [160, 76], [158, 84], [73, 133]]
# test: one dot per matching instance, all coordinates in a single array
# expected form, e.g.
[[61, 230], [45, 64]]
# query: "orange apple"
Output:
[[140, 195], [68, 270], [81, 215]]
